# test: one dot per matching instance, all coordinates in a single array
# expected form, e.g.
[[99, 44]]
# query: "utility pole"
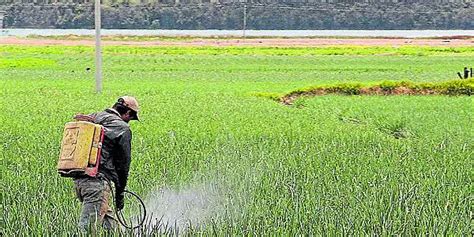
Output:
[[245, 18], [98, 49], [2, 15]]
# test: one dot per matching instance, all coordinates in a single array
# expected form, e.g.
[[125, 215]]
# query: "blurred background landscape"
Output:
[[234, 14]]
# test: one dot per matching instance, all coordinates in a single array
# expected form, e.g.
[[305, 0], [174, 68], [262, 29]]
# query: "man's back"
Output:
[[116, 150]]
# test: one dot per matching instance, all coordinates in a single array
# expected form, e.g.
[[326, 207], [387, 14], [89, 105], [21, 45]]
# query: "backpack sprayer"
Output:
[[80, 156]]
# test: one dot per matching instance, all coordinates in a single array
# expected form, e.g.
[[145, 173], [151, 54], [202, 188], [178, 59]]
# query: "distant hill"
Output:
[[229, 14]]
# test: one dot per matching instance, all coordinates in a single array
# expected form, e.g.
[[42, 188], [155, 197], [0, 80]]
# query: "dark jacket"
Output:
[[116, 148]]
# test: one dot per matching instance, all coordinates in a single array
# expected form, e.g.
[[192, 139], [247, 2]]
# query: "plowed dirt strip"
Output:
[[247, 42]]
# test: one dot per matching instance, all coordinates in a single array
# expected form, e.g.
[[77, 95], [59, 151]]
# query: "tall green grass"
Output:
[[460, 87], [330, 165], [251, 50]]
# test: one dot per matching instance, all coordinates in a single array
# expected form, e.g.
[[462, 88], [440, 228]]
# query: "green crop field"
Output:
[[326, 165]]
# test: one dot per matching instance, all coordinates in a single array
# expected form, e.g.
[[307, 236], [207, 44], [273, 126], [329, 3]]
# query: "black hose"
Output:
[[120, 217], [119, 214]]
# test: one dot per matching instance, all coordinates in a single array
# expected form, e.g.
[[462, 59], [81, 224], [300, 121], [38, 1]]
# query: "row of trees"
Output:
[[131, 2], [262, 17]]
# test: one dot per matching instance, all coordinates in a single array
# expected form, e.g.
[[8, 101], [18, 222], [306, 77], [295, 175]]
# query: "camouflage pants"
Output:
[[94, 194]]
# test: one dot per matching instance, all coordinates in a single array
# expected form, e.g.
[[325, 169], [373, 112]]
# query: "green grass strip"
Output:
[[452, 87], [243, 50]]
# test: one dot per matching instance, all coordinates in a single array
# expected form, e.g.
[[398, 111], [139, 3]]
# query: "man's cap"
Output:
[[131, 103]]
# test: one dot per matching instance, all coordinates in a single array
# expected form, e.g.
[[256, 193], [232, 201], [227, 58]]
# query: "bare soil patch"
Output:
[[266, 42]]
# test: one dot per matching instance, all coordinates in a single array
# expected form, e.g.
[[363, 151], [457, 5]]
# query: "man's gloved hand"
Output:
[[119, 200]]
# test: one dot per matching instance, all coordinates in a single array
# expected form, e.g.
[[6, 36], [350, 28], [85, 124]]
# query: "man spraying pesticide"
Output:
[[95, 151]]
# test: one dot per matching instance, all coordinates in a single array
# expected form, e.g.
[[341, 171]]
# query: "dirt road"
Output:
[[267, 42]]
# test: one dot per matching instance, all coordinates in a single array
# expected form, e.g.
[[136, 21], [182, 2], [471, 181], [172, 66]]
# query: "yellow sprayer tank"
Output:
[[80, 149]]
